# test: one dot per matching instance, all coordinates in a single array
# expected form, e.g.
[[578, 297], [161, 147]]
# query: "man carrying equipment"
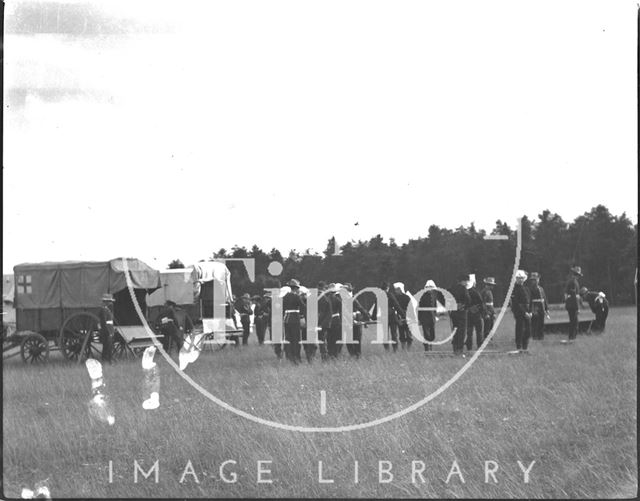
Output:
[[599, 305], [539, 307], [173, 322]]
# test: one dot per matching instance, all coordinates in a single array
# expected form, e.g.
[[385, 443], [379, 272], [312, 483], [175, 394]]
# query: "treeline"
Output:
[[604, 245]]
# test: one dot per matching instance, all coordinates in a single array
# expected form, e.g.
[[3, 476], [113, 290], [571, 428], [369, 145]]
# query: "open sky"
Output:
[[283, 123]]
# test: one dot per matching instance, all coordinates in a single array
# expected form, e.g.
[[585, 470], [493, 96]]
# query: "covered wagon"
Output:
[[60, 302]]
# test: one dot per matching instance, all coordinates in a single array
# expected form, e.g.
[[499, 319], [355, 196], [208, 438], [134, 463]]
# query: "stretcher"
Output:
[[558, 323], [133, 339]]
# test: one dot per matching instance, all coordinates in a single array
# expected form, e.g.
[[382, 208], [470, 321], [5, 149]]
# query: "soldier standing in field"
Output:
[[243, 306], [572, 301], [294, 310], [476, 314], [459, 316], [359, 315], [599, 306], [539, 307], [325, 313], [521, 308], [107, 329], [260, 317], [394, 313], [277, 347], [487, 299], [428, 317], [334, 333], [403, 328]]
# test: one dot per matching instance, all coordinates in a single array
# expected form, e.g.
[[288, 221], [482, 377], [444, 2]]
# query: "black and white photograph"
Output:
[[320, 249]]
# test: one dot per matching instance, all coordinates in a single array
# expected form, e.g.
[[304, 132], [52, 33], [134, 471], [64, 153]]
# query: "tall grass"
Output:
[[571, 409]]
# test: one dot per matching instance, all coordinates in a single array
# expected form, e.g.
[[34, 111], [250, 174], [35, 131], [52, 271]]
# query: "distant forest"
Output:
[[604, 245]]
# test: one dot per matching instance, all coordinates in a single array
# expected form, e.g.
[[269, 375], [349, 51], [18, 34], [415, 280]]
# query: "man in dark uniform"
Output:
[[521, 308], [487, 299], [107, 329], [173, 323], [243, 306], [334, 334], [475, 319], [359, 315], [403, 329], [428, 318], [394, 312], [294, 310], [309, 348], [278, 347], [571, 300], [539, 306], [459, 316], [260, 317], [599, 306], [325, 312]]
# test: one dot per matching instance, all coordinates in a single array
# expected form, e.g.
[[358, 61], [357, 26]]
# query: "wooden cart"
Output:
[[58, 306]]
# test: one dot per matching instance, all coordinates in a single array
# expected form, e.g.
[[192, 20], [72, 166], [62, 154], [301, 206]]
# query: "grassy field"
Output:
[[571, 409]]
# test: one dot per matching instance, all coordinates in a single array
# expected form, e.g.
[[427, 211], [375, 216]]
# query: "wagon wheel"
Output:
[[77, 332], [34, 348], [121, 350]]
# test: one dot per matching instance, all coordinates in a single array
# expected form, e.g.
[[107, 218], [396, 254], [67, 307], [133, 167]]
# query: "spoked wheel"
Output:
[[121, 350], [34, 348], [79, 337]]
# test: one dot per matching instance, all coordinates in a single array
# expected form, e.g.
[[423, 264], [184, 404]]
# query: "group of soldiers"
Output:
[[294, 306], [530, 307], [474, 314], [575, 295]]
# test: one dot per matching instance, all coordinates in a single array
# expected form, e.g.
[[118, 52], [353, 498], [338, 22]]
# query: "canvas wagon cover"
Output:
[[183, 286], [216, 273], [77, 284], [178, 286]]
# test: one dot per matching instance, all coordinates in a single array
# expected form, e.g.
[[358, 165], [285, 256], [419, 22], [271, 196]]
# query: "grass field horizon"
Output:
[[571, 409]]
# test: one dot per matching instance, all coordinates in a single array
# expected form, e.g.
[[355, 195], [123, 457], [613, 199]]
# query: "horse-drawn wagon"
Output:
[[57, 306]]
